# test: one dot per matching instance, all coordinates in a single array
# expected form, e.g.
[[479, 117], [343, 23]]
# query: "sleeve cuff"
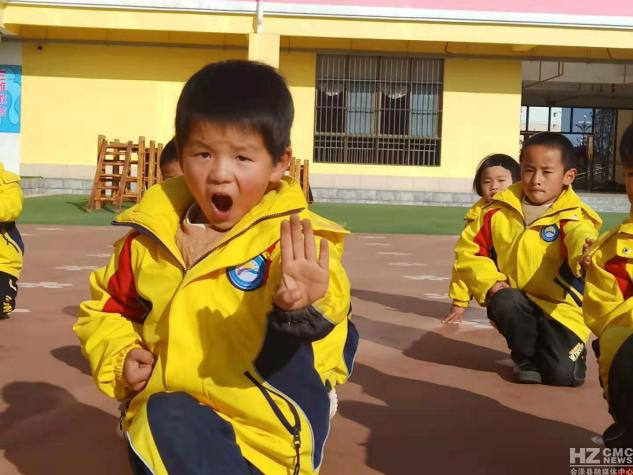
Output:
[[307, 324]]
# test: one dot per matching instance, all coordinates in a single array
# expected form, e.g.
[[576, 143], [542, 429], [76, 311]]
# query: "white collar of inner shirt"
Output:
[[195, 211]]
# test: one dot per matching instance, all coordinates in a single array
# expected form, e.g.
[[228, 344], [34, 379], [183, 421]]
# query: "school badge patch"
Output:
[[250, 275], [549, 233]]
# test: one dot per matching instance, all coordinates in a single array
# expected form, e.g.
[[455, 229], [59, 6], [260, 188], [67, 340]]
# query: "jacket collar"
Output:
[[568, 200], [161, 210]]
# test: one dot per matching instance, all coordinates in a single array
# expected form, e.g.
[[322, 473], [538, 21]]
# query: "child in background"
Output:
[[11, 245], [223, 315], [169, 163], [495, 173], [608, 310], [522, 259]]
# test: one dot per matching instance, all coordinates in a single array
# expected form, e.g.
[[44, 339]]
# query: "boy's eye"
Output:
[[203, 154], [241, 158]]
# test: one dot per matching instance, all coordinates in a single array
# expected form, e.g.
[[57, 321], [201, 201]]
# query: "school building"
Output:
[[396, 100]]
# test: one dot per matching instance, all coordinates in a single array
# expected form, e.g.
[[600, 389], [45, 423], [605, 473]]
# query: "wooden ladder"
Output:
[[132, 183], [300, 171], [111, 160], [152, 164]]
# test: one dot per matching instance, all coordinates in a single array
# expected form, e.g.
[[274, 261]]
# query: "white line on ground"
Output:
[[407, 264], [424, 277], [377, 244], [45, 285], [371, 237], [393, 253], [77, 268], [20, 310], [431, 295], [100, 255], [50, 229], [506, 362]]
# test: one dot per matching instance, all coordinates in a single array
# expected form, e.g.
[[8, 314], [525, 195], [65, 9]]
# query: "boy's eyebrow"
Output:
[[245, 148], [198, 143]]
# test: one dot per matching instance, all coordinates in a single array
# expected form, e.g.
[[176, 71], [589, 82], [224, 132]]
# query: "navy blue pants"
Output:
[[533, 335], [191, 439]]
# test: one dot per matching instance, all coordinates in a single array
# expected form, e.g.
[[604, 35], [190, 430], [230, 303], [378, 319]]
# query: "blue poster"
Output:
[[10, 94]]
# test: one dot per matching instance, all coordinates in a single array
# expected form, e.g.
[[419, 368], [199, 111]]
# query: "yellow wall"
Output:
[[299, 69], [73, 92], [482, 105], [264, 47]]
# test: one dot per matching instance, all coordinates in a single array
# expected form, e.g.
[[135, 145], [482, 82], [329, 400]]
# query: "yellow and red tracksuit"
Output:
[[11, 245], [208, 331], [458, 291], [608, 299], [541, 259]]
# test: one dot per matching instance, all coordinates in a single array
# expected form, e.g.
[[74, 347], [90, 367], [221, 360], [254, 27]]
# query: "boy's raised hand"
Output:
[[585, 261], [304, 278], [137, 368]]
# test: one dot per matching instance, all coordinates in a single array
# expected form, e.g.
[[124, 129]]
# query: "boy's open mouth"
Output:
[[222, 202]]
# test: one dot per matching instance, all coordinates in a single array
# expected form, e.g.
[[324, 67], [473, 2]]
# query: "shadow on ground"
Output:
[[433, 347], [71, 355], [404, 303], [427, 428], [46, 431]]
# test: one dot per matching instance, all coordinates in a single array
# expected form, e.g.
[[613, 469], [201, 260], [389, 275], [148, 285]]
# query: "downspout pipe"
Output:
[[260, 17]]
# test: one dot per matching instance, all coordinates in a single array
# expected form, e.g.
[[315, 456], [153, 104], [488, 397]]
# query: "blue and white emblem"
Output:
[[549, 233], [250, 275]]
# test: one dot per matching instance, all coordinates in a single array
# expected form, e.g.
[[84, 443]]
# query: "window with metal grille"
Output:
[[378, 110]]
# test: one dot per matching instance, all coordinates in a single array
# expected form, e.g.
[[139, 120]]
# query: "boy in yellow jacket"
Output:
[[11, 245], [219, 318], [608, 309], [521, 259]]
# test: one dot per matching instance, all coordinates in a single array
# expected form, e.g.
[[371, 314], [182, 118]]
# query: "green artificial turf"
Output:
[[70, 209], [64, 209]]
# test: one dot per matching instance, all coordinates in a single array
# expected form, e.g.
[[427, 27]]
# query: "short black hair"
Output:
[[247, 94], [626, 147], [553, 140], [496, 160], [169, 153]]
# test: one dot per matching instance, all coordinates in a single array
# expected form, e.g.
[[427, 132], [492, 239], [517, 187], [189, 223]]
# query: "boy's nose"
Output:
[[220, 172]]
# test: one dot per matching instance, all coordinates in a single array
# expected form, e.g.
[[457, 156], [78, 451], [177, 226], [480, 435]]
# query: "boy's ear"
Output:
[[569, 176], [281, 166]]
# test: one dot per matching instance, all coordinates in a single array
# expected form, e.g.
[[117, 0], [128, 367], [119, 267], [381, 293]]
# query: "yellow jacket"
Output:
[[458, 291], [543, 259], [608, 302], [11, 245], [207, 328]]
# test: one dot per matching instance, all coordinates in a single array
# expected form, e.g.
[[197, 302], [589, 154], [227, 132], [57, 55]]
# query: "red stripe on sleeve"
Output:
[[617, 268], [484, 237], [124, 298]]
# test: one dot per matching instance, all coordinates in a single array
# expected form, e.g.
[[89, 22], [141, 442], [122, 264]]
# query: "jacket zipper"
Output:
[[257, 221], [294, 430], [146, 231], [9, 241]]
